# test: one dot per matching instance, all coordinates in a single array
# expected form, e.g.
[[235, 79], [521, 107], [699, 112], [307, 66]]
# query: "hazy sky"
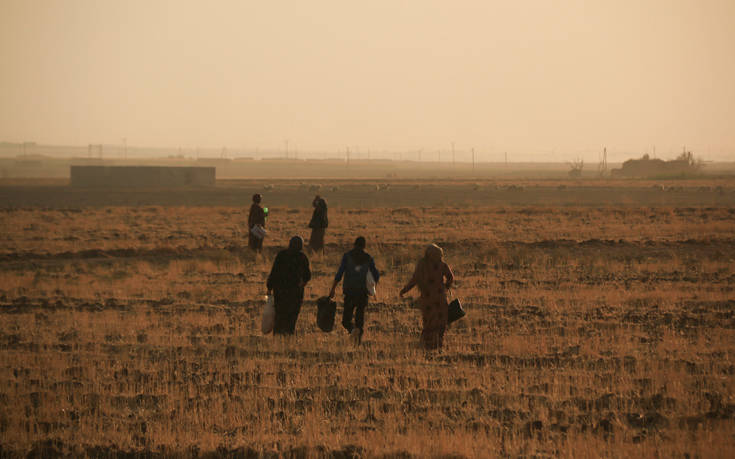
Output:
[[544, 80]]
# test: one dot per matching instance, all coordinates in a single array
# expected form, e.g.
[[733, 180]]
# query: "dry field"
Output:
[[370, 193], [592, 331]]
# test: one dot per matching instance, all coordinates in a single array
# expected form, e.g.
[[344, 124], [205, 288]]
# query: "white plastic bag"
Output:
[[258, 231], [370, 283], [269, 315]]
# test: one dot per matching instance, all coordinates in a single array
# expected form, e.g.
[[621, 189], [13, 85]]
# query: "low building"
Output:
[[647, 167]]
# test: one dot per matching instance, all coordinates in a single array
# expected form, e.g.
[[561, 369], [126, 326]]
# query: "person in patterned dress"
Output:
[[433, 277]]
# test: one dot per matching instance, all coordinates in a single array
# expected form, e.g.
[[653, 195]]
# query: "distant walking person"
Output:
[[256, 218], [354, 267], [318, 224], [289, 275], [433, 277]]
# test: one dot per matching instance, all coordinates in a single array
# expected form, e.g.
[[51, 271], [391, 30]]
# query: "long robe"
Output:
[[256, 217], [318, 225], [433, 300], [288, 276]]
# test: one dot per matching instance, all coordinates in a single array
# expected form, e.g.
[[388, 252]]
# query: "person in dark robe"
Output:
[[354, 267], [318, 224], [433, 277], [288, 276], [256, 217]]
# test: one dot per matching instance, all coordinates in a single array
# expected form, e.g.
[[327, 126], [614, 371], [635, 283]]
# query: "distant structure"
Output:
[[141, 176], [646, 166], [602, 167], [91, 148]]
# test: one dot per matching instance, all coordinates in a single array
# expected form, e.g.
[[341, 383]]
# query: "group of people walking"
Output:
[[291, 272], [257, 218]]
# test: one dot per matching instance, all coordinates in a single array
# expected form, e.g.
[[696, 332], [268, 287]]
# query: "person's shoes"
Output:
[[355, 336]]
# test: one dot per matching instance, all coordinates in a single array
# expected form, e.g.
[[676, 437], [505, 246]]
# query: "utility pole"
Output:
[[602, 170], [506, 159], [454, 162], [125, 147], [473, 160], [347, 157], [286, 141]]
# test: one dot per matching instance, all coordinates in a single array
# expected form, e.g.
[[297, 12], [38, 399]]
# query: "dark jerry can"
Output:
[[325, 312], [456, 311]]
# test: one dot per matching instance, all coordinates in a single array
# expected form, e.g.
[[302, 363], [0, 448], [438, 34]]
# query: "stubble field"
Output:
[[596, 330]]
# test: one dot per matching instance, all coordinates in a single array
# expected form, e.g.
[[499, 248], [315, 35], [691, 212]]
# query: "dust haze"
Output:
[[539, 80]]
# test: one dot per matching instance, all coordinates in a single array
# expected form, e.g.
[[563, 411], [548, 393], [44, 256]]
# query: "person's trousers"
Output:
[[355, 304]]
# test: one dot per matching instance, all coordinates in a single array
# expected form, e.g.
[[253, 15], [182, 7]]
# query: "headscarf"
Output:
[[432, 255], [320, 207], [359, 256], [296, 244]]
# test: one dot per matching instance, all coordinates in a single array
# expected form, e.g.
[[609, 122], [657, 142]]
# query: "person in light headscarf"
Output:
[[433, 277], [289, 275]]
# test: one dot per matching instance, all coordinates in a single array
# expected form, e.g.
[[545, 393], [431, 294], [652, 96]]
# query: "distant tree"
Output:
[[576, 167]]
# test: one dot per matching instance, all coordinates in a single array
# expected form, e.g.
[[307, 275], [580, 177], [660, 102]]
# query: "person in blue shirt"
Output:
[[354, 267]]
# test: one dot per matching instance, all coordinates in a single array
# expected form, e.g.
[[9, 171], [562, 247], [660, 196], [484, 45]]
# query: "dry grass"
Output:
[[591, 332]]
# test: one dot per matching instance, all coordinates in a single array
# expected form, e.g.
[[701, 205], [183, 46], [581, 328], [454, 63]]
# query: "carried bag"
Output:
[[370, 283], [268, 320], [455, 311], [258, 231], [326, 309]]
